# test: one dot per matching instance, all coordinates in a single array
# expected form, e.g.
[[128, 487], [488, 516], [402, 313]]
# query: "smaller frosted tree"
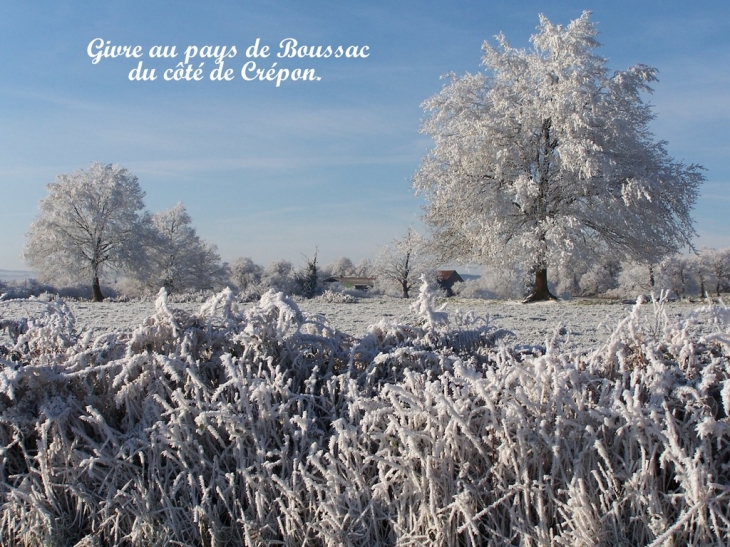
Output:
[[636, 278], [89, 223], [341, 267], [601, 277], [245, 273], [278, 275], [364, 268], [177, 259], [703, 272], [678, 274], [402, 262], [717, 264]]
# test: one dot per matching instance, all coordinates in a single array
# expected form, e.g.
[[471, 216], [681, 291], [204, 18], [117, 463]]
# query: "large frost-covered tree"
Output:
[[89, 222], [547, 152], [177, 259]]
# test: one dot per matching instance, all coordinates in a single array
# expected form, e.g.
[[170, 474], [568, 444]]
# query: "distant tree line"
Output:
[[92, 228], [705, 273]]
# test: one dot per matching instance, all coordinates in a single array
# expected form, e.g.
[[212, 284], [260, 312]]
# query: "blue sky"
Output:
[[273, 173]]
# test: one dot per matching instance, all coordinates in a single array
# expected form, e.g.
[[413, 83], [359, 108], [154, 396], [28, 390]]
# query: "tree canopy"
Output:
[[548, 157], [176, 257], [89, 222]]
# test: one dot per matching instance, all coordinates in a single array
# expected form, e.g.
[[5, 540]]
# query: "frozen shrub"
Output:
[[250, 294], [475, 288], [308, 282], [245, 273], [337, 297], [266, 426], [279, 275]]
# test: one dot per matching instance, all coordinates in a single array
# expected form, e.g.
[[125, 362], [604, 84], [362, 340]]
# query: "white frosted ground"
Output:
[[587, 323]]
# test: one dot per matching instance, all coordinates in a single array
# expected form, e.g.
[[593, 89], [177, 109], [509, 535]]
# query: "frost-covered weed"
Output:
[[266, 426], [337, 297]]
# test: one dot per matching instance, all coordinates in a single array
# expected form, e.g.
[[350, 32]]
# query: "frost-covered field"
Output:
[[586, 322], [264, 425]]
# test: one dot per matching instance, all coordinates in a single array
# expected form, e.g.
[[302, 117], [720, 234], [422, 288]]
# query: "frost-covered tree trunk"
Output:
[[405, 282], [540, 290], [89, 222], [546, 147], [96, 294], [547, 157]]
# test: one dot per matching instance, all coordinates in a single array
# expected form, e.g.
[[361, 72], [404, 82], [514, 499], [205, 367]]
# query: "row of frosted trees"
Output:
[[705, 273], [92, 227]]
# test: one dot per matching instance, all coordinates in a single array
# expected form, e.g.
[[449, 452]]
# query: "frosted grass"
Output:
[[270, 426], [585, 322]]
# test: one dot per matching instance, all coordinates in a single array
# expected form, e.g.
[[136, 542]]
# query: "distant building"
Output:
[[352, 282], [446, 280]]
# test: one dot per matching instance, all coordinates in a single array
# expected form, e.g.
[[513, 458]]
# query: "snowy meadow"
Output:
[[585, 322], [276, 423]]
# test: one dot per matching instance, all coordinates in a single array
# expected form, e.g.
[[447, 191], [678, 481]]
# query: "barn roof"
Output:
[[449, 276]]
